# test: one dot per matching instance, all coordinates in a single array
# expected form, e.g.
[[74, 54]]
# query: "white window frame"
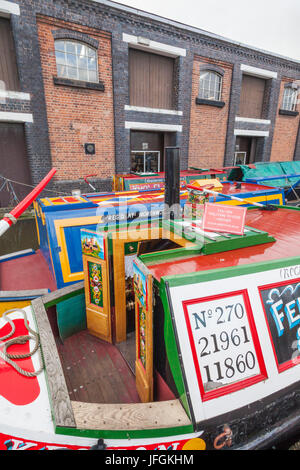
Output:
[[77, 68], [216, 92]]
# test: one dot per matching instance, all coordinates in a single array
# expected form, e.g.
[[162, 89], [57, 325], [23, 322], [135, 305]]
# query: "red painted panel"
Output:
[[11, 381], [26, 273]]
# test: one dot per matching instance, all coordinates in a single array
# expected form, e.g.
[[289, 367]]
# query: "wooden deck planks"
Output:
[[95, 371], [131, 416]]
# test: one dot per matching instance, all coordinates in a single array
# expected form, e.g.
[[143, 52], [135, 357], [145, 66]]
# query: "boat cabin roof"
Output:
[[282, 224]]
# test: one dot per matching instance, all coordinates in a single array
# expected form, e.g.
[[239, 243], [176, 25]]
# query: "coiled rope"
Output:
[[20, 340]]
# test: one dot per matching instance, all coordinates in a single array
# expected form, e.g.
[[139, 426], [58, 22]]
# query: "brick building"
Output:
[[97, 88]]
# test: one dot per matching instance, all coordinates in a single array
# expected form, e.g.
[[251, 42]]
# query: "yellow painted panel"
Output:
[[98, 322], [9, 305]]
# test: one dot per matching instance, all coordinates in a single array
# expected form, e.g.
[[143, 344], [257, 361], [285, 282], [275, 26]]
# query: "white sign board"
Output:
[[222, 341], [227, 342]]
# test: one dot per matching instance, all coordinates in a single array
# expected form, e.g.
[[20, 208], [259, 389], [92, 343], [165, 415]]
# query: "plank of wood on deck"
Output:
[[62, 294], [138, 416], [59, 396]]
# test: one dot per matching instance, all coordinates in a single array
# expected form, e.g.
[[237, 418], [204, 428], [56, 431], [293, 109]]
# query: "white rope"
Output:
[[11, 217], [20, 340]]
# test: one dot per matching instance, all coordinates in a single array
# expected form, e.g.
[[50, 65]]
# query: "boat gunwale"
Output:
[[65, 412]]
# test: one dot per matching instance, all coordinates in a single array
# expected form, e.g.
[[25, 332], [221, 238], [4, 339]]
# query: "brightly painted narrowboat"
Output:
[[178, 338]]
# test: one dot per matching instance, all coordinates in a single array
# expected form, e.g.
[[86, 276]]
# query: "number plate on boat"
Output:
[[223, 341]]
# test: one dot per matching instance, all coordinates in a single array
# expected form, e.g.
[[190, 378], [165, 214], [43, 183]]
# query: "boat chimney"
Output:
[[172, 183]]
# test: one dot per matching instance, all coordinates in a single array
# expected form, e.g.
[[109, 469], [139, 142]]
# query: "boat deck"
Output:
[[95, 371], [283, 225]]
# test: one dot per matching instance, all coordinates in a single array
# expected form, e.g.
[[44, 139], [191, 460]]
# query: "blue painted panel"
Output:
[[73, 242]]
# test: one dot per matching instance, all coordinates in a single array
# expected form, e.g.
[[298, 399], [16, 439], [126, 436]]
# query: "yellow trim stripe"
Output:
[[260, 199]]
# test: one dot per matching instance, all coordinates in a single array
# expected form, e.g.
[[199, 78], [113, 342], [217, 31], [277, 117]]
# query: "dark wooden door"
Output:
[[252, 97], [151, 80], [8, 64], [13, 161]]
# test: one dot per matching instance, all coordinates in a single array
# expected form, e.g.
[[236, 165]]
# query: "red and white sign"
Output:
[[223, 218]]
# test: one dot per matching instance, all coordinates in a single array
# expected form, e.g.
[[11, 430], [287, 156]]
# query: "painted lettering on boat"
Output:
[[289, 273], [282, 309], [8, 442]]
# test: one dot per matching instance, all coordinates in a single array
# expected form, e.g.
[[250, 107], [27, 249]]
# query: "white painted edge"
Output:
[[14, 95], [9, 8], [263, 73], [15, 117], [252, 120], [141, 109], [4, 226], [246, 132], [153, 46], [149, 126]]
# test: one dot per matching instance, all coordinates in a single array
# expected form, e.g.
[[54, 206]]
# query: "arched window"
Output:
[[76, 61], [289, 101], [210, 85]]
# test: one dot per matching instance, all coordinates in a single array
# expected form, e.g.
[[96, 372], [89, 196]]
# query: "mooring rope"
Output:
[[20, 340]]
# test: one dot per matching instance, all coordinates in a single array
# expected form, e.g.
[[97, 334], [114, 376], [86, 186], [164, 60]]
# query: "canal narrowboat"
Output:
[[59, 220], [285, 175], [178, 338]]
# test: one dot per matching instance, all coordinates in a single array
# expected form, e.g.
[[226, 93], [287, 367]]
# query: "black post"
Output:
[[172, 183]]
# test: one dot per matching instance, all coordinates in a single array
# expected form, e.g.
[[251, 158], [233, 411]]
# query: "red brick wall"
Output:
[[285, 133], [76, 115], [208, 124]]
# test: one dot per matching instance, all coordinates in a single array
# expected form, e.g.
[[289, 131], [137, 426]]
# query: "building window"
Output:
[[289, 101], [210, 86], [76, 61]]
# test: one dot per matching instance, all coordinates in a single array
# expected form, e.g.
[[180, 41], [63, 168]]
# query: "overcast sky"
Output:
[[272, 25]]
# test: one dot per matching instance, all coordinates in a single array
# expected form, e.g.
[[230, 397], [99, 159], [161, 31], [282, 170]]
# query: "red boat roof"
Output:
[[283, 225], [26, 273]]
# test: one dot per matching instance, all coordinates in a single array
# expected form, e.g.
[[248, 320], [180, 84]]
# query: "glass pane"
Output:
[[82, 62], [59, 45], [72, 73], [81, 49], [71, 47], [82, 74], [137, 162], [71, 60], [151, 162], [91, 52], [92, 64], [60, 57], [62, 71], [93, 76]]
